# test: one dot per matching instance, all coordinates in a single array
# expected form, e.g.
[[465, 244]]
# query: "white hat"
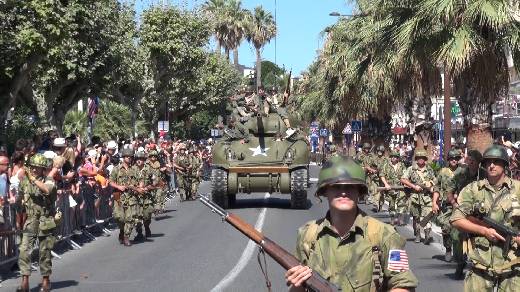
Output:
[[111, 144], [49, 154], [92, 153], [59, 142]]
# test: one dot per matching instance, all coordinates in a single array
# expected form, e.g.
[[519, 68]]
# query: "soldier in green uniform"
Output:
[[145, 179], [123, 179], [365, 158], [440, 205], [378, 163], [463, 176], [350, 249], [493, 265], [397, 200], [159, 177], [420, 177], [235, 131], [183, 168], [38, 192], [196, 171]]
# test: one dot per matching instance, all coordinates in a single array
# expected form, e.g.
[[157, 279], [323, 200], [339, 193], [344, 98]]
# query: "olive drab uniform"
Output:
[[443, 217], [145, 176], [420, 203], [183, 161], [126, 211], [379, 163], [158, 195], [40, 224], [366, 160], [397, 200], [491, 266], [461, 178], [195, 174], [370, 244]]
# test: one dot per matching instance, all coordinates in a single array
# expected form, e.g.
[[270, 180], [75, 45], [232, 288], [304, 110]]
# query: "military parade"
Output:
[[138, 153]]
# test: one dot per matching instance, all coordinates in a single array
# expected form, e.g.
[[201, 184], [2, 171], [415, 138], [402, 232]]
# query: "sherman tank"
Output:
[[267, 162]]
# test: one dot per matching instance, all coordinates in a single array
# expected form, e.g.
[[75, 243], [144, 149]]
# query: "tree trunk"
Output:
[[479, 137], [235, 58], [219, 48], [447, 112], [421, 122], [226, 52], [258, 69]]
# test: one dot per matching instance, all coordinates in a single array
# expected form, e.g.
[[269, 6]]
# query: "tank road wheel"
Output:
[[231, 198], [219, 187], [298, 189]]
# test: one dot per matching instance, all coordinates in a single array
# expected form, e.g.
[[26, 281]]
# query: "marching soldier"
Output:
[[183, 167], [123, 179], [440, 205], [196, 171], [38, 192], [379, 162], [463, 176], [420, 177], [495, 262], [145, 176], [352, 250], [365, 158], [159, 177], [397, 200]]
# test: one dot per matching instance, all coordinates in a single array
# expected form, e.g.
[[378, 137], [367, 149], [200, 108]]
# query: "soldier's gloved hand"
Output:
[[297, 275]]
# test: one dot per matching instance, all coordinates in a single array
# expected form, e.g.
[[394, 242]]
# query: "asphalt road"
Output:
[[193, 250]]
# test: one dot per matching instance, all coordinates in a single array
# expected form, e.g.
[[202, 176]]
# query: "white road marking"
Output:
[[245, 257]]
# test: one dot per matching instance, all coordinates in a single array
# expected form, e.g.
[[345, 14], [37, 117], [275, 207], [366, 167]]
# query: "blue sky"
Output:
[[300, 23]]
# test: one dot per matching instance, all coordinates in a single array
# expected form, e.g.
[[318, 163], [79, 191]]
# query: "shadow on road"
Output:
[[55, 285], [163, 217], [277, 203]]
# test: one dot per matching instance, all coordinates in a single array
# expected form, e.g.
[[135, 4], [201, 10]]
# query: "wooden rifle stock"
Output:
[[315, 283], [117, 196]]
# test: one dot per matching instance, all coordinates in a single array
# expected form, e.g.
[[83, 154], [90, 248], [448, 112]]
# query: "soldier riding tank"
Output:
[[264, 162]]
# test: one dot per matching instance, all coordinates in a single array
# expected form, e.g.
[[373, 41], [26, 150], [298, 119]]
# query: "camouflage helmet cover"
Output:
[[38, 160], [454, 153], [341, 170], [127, 152], [421, 153], [153, 153], [496, 152]]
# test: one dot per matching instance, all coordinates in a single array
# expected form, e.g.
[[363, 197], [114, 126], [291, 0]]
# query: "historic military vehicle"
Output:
[[267, 161]]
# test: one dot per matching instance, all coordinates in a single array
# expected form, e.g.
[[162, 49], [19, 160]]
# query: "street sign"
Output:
[[347, 130], [356, 126], [215, 133], [163, 126]]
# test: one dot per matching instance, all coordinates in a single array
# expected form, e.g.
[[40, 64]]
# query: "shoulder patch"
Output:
[[398, 260]]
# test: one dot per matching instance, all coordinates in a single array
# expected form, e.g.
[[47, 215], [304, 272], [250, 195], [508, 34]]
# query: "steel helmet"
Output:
[[421, 153], [395, 154], [38, 160], [496, 152], [153, 153], [140, 155], [380, 148], [127, 152], [475, 154], [454, 153], [366, 145], [341, 170]]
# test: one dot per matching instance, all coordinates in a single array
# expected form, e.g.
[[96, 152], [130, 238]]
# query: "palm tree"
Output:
[[236, 21], [216, 10], [260, 30]]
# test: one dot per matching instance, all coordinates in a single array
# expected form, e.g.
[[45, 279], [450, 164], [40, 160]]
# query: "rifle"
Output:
[[392, 188], [287, 89], [479, 217], [315, 283], [430, 215]]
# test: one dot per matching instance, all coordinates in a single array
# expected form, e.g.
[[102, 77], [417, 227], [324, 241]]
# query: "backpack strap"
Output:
[[374, 234]]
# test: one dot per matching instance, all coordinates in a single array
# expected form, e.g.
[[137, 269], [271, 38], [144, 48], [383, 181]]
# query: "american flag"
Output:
[[397, 260]]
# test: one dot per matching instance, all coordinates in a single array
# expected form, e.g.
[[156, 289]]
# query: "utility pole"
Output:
[[447, 110]]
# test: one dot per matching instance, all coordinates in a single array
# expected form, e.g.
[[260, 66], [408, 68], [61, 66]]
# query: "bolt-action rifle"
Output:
[[392, 188], [315, 283]]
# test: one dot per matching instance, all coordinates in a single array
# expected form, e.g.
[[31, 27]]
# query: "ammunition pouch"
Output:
[[46, 223]]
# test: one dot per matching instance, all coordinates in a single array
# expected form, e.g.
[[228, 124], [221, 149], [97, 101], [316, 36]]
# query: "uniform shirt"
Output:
[[393, 172], [502, 205], [444, 182], [367, 160], [424, 176], [461, 178], [347, 262], [126, 177], [39, 206]]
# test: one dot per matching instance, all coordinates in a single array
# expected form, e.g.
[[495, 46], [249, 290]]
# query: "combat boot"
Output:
[[416, 232], [127, 242], [427, 238], [139, 237], [147, 231], [46, 284], [121, 237], [24, 286], [459, 271]]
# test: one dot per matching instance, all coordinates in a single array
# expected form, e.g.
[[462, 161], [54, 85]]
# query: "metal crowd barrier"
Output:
[[81, 212]]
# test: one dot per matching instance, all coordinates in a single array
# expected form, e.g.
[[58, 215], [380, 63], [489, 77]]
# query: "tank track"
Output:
[[219, 188], [299, 188]]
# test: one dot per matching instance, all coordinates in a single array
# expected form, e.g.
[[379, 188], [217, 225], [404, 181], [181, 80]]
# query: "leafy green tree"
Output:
[[260, 30]]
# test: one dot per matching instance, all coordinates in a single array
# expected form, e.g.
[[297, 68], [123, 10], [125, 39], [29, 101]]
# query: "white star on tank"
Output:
[[259, 151]]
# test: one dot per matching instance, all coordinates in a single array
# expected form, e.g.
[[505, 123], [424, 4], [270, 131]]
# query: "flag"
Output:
[[93, 106], [398, 260]]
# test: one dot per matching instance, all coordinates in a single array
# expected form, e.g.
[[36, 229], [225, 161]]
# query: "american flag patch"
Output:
[[398, 260]]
